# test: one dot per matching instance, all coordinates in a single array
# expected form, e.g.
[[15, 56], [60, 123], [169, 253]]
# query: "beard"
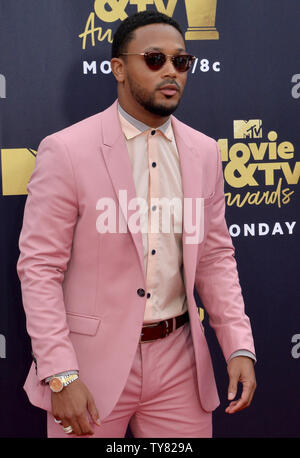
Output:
[[147, 99]]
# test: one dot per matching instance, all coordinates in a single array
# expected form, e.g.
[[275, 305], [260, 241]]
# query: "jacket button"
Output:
[[141, 292]]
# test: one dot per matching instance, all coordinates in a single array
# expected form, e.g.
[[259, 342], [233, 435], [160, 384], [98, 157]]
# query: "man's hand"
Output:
[[73, 405], [240, 369]]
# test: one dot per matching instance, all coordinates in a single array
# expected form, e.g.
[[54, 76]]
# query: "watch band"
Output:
[[67, 379], [61, 374]]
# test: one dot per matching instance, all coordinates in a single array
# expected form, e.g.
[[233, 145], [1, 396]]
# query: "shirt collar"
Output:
[[132, 127]]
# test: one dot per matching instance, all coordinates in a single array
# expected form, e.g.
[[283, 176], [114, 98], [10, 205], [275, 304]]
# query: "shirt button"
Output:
[[154, 207], [148, 295], [153, 164], [153, 132], [153, 251], [141, 292]]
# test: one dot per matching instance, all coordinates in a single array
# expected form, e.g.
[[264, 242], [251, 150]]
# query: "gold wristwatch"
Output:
[[58, 382]]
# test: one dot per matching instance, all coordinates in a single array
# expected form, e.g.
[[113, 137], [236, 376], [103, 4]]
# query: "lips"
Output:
[[169, 90]]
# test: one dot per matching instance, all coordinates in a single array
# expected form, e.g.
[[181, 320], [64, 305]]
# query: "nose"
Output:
[[168, 68]]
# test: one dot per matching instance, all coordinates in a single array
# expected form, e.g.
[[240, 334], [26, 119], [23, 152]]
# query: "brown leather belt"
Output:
[[163, 328]]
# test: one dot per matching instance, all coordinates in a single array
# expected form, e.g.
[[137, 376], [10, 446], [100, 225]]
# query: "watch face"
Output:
[[56, 385]]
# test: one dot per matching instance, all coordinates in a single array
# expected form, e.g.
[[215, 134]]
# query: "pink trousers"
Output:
[[160, 398]]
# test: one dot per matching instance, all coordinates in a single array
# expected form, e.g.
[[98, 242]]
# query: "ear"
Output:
[[118, 69]]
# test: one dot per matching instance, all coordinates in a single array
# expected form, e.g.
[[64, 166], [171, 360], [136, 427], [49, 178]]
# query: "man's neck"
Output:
[[144, 116], [139, 124]]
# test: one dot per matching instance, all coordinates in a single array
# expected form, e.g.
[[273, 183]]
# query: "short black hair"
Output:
[[125, 31]]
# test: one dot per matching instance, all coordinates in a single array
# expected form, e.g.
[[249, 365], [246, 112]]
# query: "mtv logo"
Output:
[[247, 129]]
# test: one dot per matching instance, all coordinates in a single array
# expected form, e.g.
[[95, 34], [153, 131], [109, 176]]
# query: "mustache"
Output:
[[166, 82]]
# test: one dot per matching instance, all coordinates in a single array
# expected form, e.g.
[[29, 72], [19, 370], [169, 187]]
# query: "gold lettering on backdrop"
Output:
[[93, 32], [111, 10], [141, 4], [169, 9], [246, 165], [17, 165], [201, 15], [279, 196]]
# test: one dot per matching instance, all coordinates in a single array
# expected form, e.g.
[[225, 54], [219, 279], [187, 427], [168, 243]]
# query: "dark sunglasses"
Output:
[[155, 60]]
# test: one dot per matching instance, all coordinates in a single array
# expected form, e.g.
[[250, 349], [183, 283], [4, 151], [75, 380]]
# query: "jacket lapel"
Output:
[[115, 154], [193, 204]]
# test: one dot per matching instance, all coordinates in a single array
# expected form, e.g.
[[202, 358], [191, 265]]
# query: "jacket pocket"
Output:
[[83, 324]]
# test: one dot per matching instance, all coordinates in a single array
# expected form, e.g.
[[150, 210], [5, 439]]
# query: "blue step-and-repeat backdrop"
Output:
[[243, 90]]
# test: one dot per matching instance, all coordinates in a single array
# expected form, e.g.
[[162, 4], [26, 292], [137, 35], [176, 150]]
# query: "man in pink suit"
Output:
[[116, 334]]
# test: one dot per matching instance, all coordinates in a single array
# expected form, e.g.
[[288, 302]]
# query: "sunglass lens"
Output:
[[155, 60], [183, 63]]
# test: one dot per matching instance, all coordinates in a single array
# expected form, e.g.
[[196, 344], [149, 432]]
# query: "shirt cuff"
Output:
[[242, 353]]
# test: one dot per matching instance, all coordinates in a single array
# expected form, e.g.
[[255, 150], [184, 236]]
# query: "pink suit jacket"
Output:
[[80, 287]]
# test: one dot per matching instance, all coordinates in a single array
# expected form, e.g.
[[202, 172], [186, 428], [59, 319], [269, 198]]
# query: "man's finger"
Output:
[[236, 406], [232, 388], [243, 402], [93, 411], [85, 425]]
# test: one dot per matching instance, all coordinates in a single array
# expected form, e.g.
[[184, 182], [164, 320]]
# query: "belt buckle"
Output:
[[166, 330], [152, 325], [145, 341]]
